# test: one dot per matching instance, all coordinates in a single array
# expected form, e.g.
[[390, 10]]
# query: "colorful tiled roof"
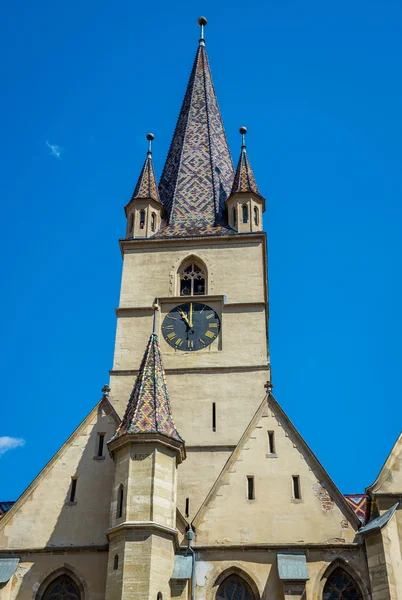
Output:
[[198, 173], [244, 180], [360, 504], [5, 506], [148, 409], [146, 185]]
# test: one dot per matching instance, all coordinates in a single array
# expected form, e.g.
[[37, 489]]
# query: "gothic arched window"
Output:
[[62, 588], [341, 586], [192, 280], [245, 213], [256, 216], [142, 219], [153, 221], [234, 588], [234, 217]]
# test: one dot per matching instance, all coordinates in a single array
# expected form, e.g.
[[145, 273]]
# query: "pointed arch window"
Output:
[[153, 221], [234, 213], [142, 219], [339, 586], [234, 588], [192, 279], [245, 213], [256, 216], [120, 499], [62, 588]]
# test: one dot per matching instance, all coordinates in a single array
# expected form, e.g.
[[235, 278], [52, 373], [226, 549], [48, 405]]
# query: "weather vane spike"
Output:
[[150, 137], [202, 22], [243, 131]]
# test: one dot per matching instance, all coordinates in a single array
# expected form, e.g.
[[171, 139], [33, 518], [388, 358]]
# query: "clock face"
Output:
[[191, 326]]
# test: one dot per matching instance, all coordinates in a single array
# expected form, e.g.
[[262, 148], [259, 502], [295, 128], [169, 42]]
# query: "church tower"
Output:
[[206, 265], [146, 450]]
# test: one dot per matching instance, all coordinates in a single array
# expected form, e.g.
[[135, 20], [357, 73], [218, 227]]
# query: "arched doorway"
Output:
[[340, 586], [62, 588], [234, 588]]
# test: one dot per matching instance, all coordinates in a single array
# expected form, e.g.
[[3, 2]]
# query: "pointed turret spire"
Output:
[[148, 409], [198, 173], [146, 185], [244, 180]]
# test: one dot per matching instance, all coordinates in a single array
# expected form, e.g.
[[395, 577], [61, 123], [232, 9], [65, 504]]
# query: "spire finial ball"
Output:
[[150, 137], [202, 21], [243, 130]]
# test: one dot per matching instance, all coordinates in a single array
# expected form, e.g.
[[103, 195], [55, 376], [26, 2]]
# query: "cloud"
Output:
[[54, 150], [8, 443]]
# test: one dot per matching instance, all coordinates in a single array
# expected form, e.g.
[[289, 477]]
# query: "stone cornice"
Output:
[[150, 526], [283, 546], [126, 310], [53, 550], [210, 369]]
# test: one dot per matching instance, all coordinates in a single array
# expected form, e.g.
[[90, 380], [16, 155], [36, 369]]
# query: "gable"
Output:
[[274, 515], [389, 480], [43, 515]]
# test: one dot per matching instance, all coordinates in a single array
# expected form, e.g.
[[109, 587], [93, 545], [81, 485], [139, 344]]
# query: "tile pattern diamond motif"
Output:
[[244, 180], [359, 503], [146, 185], [148, 409], [198, 173]]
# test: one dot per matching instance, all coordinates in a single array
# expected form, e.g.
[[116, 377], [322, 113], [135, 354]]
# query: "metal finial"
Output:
[[150, 137], [106, 390], [155, 307], [202, 22], [243, 131]]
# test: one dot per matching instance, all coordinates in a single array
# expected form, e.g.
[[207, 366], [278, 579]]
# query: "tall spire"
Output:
[[244, 180], [146, 185], [198, 172], [148, 409]]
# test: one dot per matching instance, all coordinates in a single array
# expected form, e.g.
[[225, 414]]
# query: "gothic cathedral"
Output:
[[187, 480]]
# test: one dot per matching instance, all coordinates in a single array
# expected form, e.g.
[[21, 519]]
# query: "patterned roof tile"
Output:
[[244, 180], [360, 505], [146, 185], [198, 173], [148, 409]]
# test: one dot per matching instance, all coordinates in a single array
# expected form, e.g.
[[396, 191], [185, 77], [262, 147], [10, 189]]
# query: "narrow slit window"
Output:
[[234, 217], [213, 416], [187, 512], [256, 216], [142, 219], [271, 442], [131, 225], [250, 488], [153, 222], [296, 487], [101, 440], [73, 489], [120, 502], [245, 213], [116, 562]]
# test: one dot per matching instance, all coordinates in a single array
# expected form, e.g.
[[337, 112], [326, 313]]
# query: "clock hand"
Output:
[[184, 317], [191, 314]]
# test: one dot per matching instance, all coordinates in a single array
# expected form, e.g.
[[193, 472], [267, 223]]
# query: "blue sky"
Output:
[[318, 85]]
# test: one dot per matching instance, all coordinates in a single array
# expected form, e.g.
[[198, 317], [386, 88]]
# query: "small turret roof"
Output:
[[244, 180], [148, 409], [146, 185]]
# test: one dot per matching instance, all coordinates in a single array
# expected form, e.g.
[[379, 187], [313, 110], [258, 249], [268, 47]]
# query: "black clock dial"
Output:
[[191, 326]]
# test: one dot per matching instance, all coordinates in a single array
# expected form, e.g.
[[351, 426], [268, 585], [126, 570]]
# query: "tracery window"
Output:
[[340, 586], [62, 588], [234, 588], [192, 280]]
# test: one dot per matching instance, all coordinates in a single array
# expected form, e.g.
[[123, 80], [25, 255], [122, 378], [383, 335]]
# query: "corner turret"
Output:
[[144, 211], [245, 204]]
